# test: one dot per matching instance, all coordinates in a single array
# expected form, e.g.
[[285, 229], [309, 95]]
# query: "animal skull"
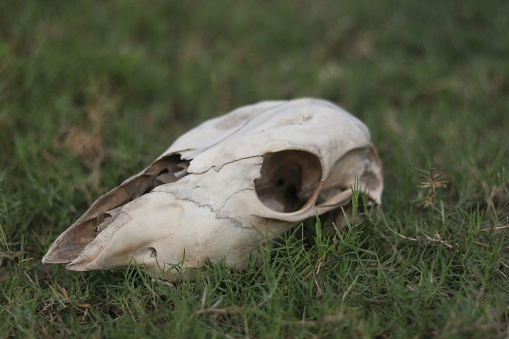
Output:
[[225, 186]]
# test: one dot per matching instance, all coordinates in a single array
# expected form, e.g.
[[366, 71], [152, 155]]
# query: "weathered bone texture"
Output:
[[225, 186]]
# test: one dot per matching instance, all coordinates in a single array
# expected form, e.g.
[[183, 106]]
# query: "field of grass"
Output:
[[92, 91]]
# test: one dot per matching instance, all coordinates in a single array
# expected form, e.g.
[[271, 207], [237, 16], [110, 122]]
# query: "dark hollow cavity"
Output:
[[288, 180]]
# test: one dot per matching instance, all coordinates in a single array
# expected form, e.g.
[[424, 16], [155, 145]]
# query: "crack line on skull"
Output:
[[239, 191], [240, 159], [206, 206], [215, 168]]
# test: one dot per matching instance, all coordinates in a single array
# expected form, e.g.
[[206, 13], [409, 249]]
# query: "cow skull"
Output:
[[225, 186]]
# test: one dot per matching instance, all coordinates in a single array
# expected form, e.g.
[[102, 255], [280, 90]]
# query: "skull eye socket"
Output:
[[288, 180]]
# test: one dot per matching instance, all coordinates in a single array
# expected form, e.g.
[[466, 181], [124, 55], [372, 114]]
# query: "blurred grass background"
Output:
[[92, 91]]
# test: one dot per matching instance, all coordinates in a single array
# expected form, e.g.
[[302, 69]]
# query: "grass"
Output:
[[430, 79]]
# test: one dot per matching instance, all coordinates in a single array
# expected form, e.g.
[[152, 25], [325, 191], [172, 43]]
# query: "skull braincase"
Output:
[[225, 186]]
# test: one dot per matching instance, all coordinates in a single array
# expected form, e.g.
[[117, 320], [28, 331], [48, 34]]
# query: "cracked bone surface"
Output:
[[225, 186]]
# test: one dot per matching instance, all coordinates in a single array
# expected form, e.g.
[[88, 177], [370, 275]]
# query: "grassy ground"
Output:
[[430, 79]]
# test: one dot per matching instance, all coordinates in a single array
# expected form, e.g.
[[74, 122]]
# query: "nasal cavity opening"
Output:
[[288, 180]]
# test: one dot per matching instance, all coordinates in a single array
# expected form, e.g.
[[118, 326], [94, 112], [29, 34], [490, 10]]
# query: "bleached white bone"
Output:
[[225, 186]]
